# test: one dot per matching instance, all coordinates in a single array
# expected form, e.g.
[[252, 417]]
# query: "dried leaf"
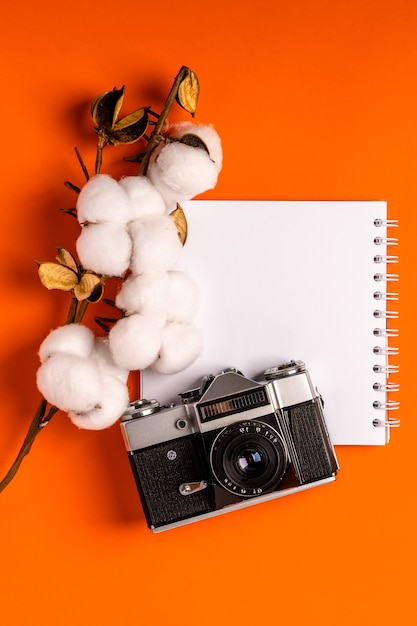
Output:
[[66, 258], [180, 221], [106, 107], [188, 91], [56, 276], [86, 286], [130, 128]]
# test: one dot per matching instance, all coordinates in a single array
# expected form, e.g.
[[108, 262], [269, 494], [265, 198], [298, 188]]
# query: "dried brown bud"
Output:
[[86, 286], [188, 90], [106, 107], [130, 128]]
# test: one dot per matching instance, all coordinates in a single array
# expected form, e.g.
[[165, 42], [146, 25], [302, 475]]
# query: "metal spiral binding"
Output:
[[387, 278], [386, 368], [379, 295], [386, 332], [392, 258], [387, 387], [387, 223], [394, 315], [388, 423], [386, 241], [389, 405], [389, 350]]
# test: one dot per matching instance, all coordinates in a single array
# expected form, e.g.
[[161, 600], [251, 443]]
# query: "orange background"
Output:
[[313, 100]]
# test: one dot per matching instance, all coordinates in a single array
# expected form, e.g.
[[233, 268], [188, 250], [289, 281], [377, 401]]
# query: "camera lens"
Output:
[[249, 458], [250, 461]]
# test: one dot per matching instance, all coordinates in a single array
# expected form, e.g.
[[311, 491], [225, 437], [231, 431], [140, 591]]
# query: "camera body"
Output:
[[230, 443]]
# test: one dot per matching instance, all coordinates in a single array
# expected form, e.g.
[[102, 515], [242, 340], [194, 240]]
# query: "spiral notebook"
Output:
[[313, 281]]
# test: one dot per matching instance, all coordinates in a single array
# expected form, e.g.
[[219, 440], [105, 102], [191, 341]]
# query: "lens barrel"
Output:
[[249, 458]]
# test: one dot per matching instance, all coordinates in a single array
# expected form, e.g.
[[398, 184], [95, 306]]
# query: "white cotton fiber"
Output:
[[181, 345], [145, 293], [181, 172], [69, 382], [102, 356], [113, 402], [102, 199], [71, 339], [156, 246], [183, 297], [104, 248], [207, 134], [143, 197], [135, 341]]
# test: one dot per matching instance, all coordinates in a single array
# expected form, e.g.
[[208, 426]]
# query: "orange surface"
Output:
[[313, 100]]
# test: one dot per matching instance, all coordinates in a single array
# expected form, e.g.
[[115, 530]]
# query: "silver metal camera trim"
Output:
[[155, 428], [292, 390], [243, 504]]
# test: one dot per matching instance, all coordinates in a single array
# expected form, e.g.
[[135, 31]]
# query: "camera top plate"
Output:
[[287, 369]]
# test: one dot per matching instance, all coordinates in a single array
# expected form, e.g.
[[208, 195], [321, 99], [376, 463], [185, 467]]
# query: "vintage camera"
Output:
[[230, 443]]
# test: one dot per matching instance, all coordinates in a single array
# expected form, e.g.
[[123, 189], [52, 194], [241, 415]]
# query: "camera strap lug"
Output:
[[188, 488]]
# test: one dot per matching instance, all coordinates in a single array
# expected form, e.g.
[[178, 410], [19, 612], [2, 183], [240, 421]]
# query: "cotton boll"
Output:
[[181, 172], [181, 345], [102, 356], [71, 339], [145, 293], [104, 248], [206, 133], [135, 341], [156, 246], [69, 382], [102, 199], [184, 297], [143, 197], [113, 403]]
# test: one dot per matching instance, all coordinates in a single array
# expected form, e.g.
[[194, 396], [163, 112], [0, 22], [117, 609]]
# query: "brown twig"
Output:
[[41, 417], [82, 164], [102, 142], [155, 137], [36, 426]]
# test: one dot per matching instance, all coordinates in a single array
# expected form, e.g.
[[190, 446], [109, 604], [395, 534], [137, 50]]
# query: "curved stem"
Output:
[[78, 315], [41, 417], [155, 135], [37, 424], [72, 311], [102, 142]]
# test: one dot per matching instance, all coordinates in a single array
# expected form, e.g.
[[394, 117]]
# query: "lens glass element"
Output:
[[249, 458], [250, 461]]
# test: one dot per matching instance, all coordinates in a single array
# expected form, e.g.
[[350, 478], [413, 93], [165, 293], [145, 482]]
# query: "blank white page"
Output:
[[288, 280]]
